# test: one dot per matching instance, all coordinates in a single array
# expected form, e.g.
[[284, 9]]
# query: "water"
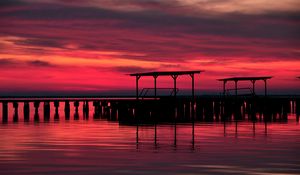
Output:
[[106, 147]]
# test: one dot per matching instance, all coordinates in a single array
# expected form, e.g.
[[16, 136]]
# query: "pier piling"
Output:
[[36, 110], [26, 111], [46, 110], [4, 111], [16, 112]]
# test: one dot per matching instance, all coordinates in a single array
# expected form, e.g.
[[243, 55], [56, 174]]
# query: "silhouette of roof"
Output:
[[165, 73], [245, 78]]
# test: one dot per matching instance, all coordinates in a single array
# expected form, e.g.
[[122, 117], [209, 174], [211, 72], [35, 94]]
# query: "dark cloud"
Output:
[[171, 34], [10, 62], [39, 42], [39, 63], [272, 25], [170, 65], [11, 3], [158, 34], [133, 69]]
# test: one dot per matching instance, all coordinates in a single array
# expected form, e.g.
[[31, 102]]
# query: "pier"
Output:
[[151, 109], [253, 80], [173, 74], [161, 109]]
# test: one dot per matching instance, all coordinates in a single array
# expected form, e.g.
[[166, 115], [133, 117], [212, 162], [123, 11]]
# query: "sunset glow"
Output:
[[91, 46]]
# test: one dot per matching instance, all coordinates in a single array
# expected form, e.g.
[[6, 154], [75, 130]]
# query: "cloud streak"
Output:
[[140, 35]]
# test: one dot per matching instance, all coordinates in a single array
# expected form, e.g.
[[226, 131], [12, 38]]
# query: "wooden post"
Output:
[[224, 87], [193, 95], [253, 86], [193, 85], [235, 82], [4, 111], [137, 77], [155, 77], [56, 105], [265, 87], [175, 89], [26, 111], [67, 110], [36, 110]]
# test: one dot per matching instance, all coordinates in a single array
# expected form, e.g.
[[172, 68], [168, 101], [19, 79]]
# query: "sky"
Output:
[[90, 47]]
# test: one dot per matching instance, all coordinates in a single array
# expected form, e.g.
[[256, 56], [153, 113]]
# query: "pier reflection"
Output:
[[236, 125], [90, 131]]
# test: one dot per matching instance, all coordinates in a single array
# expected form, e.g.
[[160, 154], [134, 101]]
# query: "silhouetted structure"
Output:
[[4, 112], [46, 111], [26, 111], [16, 113], [67, 110], [131, 110], [128, 111], [173, 74], [237, 79], [56, 114], [145, 110], [36, 111]]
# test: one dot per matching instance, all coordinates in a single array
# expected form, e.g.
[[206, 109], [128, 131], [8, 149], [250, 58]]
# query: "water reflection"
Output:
[[96, 142]]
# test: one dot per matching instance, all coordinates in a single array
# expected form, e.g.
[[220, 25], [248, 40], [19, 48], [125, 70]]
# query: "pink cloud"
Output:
[[83, 47]]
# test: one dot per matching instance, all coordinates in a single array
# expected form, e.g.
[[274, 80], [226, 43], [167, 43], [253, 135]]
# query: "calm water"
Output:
[[106, 147]]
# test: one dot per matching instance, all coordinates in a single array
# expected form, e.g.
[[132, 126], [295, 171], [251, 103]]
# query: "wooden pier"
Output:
[[160, 109], [173, 108]]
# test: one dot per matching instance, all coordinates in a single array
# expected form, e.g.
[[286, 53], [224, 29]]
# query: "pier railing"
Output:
[[145, 91], [246, 91]]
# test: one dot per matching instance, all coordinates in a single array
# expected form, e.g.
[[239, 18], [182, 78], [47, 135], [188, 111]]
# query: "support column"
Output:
[[96, 105], [193, 86], [86, 109], [253, 86], [67, 110], [223, 100], [4, 111], [265, 87], [56, 105], [16, 114], [76, 114], [137, 77], [26, 111], [175, 89], [236, 86], [46, 110], [102, 108], [193, 96], [36, 110], [175, 94], [224, 87], [155, 77], [76, 105]]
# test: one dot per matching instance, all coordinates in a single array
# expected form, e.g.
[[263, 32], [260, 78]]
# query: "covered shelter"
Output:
[[251, 79], [173, 74]]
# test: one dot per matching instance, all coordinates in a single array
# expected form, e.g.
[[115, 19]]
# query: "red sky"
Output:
[[90, 46]]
